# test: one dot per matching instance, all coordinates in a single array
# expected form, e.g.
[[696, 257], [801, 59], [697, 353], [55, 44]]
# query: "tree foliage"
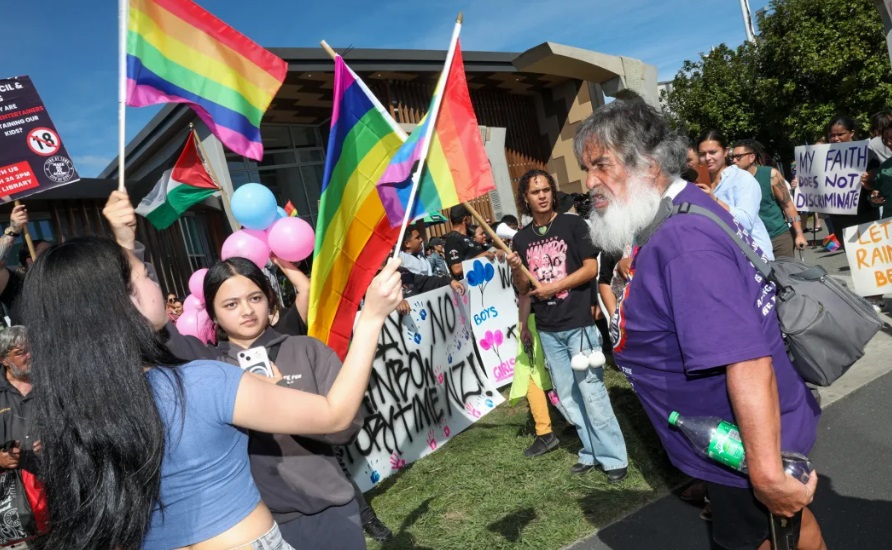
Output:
[[813, 60]]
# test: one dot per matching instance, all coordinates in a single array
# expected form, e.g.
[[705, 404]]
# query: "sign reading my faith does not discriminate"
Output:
[[32, 156]]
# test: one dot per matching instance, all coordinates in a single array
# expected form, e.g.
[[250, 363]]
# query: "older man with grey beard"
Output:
[[695, 330]]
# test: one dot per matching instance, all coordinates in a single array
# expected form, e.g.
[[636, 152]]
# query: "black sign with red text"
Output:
[[32, 156]]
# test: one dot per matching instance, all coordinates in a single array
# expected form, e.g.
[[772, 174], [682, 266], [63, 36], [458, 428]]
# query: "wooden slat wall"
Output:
[[525, 147], [165, 250]]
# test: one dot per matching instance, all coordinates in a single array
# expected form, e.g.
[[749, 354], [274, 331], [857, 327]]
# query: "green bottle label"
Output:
[[726, 446]]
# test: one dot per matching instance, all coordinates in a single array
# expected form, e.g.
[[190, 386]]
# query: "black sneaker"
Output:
[[541, 445], [580, 468], [377, 530], [617, 475]]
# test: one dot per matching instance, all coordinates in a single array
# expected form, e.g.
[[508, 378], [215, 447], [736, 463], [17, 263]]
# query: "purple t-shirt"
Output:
[[695, 304]]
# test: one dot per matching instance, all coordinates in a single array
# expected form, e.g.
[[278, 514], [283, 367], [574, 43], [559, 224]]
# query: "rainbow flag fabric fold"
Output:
[[179, 53], [353, 235], [456, 169]]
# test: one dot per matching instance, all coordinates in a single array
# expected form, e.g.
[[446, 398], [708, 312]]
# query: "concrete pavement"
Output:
[[854, 499]]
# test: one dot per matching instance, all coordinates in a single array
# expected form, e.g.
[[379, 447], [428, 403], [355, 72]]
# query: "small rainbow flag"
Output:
[[456, 169], [179, 53], [290, 209], [831, 243], [353, 235]]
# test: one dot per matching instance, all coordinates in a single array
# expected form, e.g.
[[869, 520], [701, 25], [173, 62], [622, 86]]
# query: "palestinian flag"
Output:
[[188, 183]]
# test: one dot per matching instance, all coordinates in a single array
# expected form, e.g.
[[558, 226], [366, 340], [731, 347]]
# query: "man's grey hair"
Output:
[[636, 133], [12, 337]]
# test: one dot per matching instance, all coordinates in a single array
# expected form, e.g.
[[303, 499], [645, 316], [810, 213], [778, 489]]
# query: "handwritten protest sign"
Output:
[[869, 251], [493, 316], [829, 177], [427, 385], [32, 157]]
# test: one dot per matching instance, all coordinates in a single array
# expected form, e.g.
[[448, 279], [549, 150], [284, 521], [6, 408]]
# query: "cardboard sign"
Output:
[[427, 385], [869, 251], [493, 316], [32, 156], [829, 177]]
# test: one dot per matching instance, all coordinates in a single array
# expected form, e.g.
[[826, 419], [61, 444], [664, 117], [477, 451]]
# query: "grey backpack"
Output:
[[825, 325]]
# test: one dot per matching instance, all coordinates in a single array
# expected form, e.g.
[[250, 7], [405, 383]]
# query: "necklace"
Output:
[[545, 228]]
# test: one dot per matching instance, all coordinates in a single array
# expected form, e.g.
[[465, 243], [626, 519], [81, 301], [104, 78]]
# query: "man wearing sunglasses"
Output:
[[777, 207]]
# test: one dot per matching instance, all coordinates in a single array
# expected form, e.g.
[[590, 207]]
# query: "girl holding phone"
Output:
[[141, 449]]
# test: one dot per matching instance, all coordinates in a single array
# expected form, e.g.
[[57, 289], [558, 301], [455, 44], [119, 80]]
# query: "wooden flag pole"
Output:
[[28, 240], [499, 242]]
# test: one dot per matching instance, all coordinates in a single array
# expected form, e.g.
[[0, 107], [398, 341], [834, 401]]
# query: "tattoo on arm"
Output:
[[781, 194]]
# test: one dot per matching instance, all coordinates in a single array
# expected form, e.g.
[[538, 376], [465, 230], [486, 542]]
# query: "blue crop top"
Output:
[[206, 483]]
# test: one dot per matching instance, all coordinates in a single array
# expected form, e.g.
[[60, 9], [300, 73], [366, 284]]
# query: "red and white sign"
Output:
[[44, 141], [17, 177]]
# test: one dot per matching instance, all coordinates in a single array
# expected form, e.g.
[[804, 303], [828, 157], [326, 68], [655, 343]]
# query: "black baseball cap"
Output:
[[458, 212], [436, 241]]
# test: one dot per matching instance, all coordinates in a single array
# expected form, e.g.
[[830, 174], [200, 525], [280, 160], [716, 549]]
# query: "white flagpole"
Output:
[[431, 123], [122, 88]]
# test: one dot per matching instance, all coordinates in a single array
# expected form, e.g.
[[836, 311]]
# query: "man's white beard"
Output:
[[613, 227]]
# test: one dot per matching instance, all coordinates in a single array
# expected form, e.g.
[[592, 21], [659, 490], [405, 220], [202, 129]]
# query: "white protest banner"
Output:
[[869, 251], [829, 177], [427, 385], [493, 316]]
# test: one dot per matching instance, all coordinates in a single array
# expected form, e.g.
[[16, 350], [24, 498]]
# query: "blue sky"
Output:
[[69, 47]]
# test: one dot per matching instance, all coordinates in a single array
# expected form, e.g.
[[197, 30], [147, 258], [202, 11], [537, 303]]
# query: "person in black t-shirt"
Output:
[[460, 246], [558, 250]]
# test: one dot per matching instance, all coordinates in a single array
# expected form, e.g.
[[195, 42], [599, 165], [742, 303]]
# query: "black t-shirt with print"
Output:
[[459, 248], [553, 256]]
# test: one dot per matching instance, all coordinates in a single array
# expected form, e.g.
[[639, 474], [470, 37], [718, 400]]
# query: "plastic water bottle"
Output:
[[720, 440]]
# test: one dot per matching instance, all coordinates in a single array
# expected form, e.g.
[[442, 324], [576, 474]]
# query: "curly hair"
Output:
[[524, 186]]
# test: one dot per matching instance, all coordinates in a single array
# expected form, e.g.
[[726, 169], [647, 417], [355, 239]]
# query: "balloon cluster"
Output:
[[266, 229]]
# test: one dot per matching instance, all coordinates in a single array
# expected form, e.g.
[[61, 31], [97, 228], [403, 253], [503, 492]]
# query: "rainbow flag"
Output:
[[353, 235], [456, 170], [179, 53], [831, 243], [290, 209]]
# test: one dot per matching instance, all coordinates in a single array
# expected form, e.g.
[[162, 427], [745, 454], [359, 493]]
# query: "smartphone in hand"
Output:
[[255, 360]]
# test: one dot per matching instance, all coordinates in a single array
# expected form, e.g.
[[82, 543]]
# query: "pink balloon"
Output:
[[187, 324], [191, 303], [291, 239], [246, 245], [196, 284], [196, 323]]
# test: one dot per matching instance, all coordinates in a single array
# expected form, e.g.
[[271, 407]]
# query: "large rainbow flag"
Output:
[[179, 53], [456, 169], [353, 235]]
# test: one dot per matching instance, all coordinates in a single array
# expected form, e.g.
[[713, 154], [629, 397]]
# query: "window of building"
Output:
[[198, 249], [292, 167]]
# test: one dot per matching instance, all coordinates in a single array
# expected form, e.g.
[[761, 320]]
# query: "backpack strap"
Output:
[[757, 261]]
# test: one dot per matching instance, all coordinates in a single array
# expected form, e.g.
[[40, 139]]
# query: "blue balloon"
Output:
[[280, 213], [254, 206], [488, 272]]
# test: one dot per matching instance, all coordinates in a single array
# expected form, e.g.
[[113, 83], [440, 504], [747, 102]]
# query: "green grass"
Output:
[[479, 491]]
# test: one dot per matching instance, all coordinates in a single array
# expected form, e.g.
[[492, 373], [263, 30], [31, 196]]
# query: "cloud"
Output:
[[90, 165]]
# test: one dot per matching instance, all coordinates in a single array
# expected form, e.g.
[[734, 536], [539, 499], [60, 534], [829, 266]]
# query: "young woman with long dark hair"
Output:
[[733, 189], [139, 450]]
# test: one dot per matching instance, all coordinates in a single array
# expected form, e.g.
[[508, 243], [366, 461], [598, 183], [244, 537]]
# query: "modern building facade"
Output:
[[528, 106]]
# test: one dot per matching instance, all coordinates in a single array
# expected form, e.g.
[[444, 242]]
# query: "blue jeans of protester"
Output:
[[272, 540], [584, 398]]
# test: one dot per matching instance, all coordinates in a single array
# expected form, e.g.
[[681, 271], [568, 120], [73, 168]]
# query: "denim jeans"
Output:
[[584, 398], [272, 540]]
